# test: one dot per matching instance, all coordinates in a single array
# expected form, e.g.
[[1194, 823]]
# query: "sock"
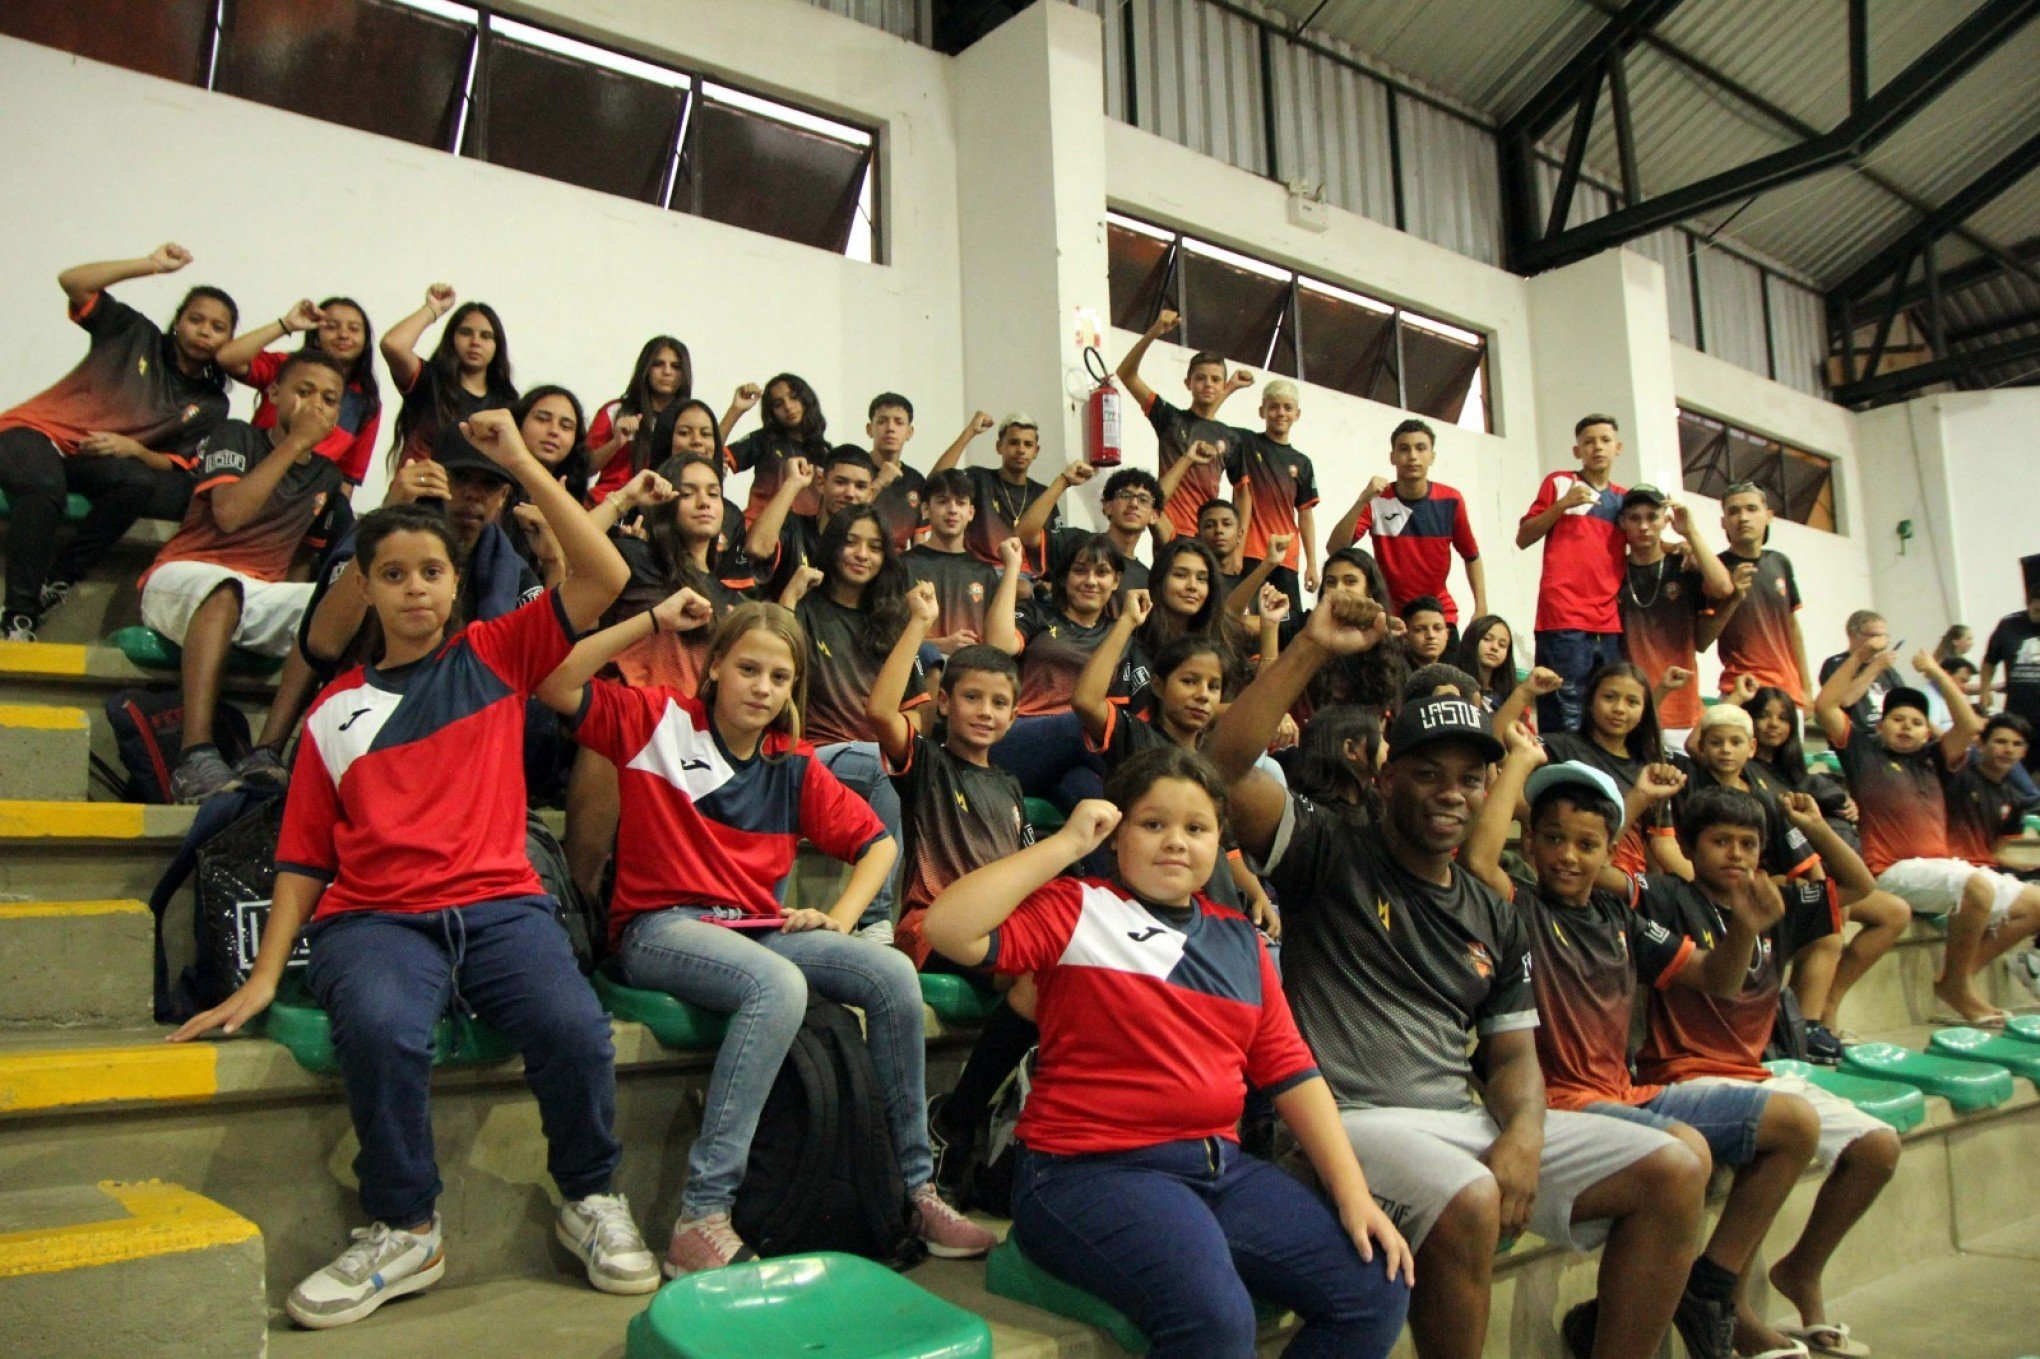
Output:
[[1710, 1281], [1003, 1042]]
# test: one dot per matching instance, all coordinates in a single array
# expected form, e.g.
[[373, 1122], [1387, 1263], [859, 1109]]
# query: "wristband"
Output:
[[284, 326]]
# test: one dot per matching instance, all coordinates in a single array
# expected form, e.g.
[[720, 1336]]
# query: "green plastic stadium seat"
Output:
[[2025, 1028], [1901, 1106], [1967, 1086], [960, 1000], [1975, 1045], [1044, 816], [1826, 762], [1010, 1274], [828, 1306], [151, 650], [304, 1029], [672, 1021], [76, 507]]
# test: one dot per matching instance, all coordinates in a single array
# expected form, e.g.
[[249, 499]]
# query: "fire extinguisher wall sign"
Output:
[[1101, 414]]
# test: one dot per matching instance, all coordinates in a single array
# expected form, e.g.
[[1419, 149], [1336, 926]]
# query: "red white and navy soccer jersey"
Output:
[[698, 826], [1413, 541], [1154, 1022], [408, 793]]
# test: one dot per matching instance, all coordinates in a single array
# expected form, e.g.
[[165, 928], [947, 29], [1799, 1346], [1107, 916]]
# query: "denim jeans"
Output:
[[1575, 656], [857, 765], [1175, 1235], [384, 979], [1046, 753], [761, 981]]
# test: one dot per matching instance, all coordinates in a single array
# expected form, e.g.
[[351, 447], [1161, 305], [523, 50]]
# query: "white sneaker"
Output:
[[602, 1236], [383, 1263], [2026, 967]]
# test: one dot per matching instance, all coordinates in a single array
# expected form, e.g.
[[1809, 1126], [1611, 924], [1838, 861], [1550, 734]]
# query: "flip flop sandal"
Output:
[[1838, 1342], [1796, 1350], [1994, 1021]]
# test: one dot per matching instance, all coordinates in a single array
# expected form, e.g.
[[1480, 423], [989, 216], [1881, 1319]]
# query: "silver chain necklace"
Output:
[[1657, 586]]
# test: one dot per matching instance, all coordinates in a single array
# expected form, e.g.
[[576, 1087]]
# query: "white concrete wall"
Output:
[[106, 163]]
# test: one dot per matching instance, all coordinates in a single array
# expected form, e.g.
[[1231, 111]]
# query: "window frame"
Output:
[[1715, 462]]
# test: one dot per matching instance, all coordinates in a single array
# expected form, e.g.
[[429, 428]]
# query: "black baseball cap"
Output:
[[1904, 697], [1645, 494], [456, 454], [1442, 717]]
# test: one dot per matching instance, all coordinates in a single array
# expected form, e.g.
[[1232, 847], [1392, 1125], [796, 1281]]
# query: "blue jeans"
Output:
[[384, 980], [856, 764], [761, 982], [1046, 753], [1574, 655], [1175, 1235], [1725, 1116]]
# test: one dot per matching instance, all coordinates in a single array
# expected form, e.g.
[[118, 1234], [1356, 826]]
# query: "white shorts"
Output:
[[1417, 1160], [1840, 1121], [1935, 886], [270, 610]]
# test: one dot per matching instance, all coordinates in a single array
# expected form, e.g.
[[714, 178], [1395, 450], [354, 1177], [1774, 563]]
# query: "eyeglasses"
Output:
[[1138, 498]]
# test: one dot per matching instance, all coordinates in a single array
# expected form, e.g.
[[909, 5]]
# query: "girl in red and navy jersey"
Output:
[[469, 371], [420, 892], [630, 432], [1158, 1011], [336, 326], [118, 429], [717, 791]]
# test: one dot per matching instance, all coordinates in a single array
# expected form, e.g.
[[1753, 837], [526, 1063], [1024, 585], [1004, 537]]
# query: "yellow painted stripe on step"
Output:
[[55, 1078], [161, 1219], [34, 910], [41, 658], [37, 717], [75, 820]]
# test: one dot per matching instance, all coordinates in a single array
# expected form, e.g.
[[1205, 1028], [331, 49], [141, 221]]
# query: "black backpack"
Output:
[[586, 923], [822, 1175], [230, 854], [148, 729]]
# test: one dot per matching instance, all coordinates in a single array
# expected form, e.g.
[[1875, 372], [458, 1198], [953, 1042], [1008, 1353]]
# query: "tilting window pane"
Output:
[[758, 172], [1347, 346], [1230, 308], [1703, 453], [1138, 279], [383, 68], [619, 139], [1438, 370], [156, 37], [1809, 489], [1715, 456]]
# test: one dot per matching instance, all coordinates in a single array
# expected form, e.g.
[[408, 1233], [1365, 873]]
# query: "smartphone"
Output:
[[752, 923]]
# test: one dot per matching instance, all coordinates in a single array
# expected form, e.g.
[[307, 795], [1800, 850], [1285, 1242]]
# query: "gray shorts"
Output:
[[1416, 1160]]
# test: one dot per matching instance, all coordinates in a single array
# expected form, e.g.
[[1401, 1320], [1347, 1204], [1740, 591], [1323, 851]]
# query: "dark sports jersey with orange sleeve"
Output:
[[1057, 650], [1901, 800], [899, 506], [127, 383], [306, 509], [1787, 853], [428, 438], [1283, 482], [955, 817], [1176, 429], [1413, 541], [352, 441], [1628, 855], [1585, 963], [1980, 813], [763, 453], [1660, 605], [1757, 639], [843, 666], [964, 587], [999, 505], [1692, 1033]]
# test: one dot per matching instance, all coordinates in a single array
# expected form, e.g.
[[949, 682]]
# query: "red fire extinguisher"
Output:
[[1101, 413]]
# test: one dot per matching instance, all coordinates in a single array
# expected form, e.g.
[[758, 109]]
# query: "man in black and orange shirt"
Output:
[[1589, 951], [1209, 385], [1756, 630], [117, 429], [1983, 807], [1662, 596], [1003, 493], [1280, 485], [899, 489], [964, 585], [1897, 773], [2015, 645]]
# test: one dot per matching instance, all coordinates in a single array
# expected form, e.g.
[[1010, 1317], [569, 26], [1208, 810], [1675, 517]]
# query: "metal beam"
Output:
[[1859, 54], [2014, 321], [2025, 262], [1890, 386], [1622, 31], [1575, 156], [1625, 130], [1948, 60], [1963, 204]]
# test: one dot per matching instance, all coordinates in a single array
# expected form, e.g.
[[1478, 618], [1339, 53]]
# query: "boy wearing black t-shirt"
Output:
[[1177, 429], [1003, 493], [2015, 645], [898, 490], [1398, 963], [781, 541], [964, 585], [1132, 505]]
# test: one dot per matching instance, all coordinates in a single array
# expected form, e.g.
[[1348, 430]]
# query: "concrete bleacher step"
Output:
[[56, 850], [74, 962], [127, 1268], [110, 597], [45, 752], [1898, 993]]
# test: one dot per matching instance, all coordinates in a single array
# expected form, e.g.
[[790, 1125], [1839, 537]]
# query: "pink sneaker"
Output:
[[706, 1242], [948, 1233]]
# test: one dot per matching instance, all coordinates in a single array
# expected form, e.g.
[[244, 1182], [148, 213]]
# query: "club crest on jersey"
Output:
[[190, 413], [1294, 471], [976, 591], [914, 498], [722, 542], [1780, 583], [1673, 589], [1480, 959]]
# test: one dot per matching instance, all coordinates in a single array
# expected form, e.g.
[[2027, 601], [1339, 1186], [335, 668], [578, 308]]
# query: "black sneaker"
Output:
[[1706, 1325], [260, 768], [1822, 1047], [17, 627], [1577, 1330], [54, 592], [952, 1154]]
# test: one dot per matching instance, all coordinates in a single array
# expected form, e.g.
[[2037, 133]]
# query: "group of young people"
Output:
[[889, 665]]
